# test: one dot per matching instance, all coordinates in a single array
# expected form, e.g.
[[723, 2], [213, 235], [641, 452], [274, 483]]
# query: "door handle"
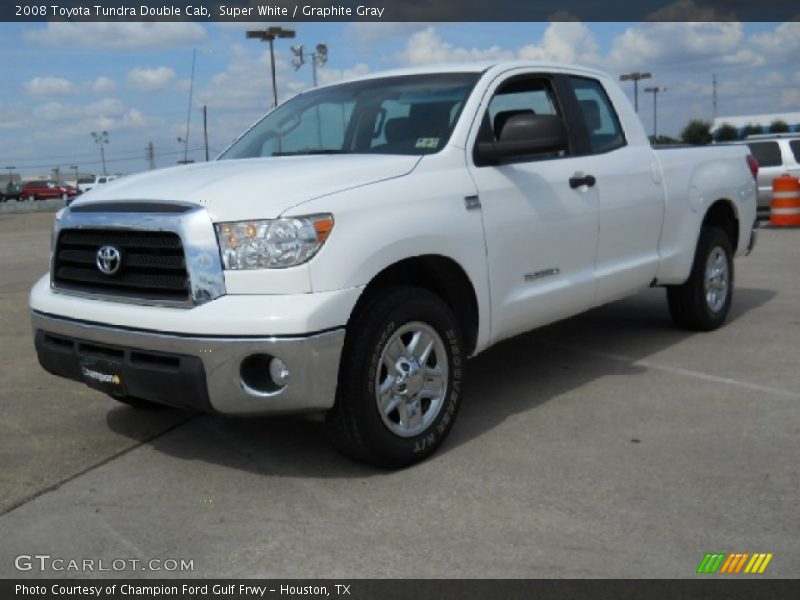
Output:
[[577, 181]]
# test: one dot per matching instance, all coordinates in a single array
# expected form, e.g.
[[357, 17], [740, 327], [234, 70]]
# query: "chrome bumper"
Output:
[[313, 362]]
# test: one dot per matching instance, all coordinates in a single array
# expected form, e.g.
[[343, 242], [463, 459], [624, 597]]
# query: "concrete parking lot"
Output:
[[607, 445]]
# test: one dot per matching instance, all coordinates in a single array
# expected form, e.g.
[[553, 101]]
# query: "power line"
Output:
[[108, 160]]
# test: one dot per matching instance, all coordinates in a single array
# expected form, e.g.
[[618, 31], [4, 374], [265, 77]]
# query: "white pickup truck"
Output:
[[349, 252]]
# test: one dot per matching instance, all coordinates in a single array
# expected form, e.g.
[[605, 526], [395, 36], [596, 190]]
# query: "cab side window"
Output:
[[602, 123], [527, 95]]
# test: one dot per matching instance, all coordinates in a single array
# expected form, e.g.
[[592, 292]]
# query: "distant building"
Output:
[[792, 119]]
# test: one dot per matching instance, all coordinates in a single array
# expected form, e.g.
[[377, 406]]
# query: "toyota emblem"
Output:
[[108, 260]]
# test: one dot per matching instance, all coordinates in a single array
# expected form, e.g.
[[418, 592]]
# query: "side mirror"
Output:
[[525, 135]]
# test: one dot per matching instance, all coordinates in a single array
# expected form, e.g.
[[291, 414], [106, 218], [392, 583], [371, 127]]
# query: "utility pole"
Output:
[[205, 128], [635, 77], [101, 139], [189, 113], [655, 91], [57, 173], [75, 168], [151, 155], [269, 35], [714, 94]]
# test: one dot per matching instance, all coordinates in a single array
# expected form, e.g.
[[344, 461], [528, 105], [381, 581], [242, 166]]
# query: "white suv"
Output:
[[777, 153], [87, 183]]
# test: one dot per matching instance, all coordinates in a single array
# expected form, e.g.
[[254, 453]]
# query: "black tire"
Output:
[[688, 304], [137, 402], [355, 424]]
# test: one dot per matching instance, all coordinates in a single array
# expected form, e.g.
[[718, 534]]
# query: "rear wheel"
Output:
[[399, 381], [703, 302]]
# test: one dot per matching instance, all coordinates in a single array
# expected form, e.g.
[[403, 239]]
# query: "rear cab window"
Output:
[[602, 123]]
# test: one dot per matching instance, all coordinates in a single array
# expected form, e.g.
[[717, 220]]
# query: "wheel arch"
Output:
[[440, 275], [723, 214]]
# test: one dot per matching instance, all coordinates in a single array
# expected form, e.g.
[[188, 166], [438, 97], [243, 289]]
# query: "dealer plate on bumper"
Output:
[[102, 375]]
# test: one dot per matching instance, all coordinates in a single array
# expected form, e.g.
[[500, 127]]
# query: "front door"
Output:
[[540, 216]]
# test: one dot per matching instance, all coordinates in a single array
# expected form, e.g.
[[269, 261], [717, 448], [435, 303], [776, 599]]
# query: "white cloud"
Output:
[[134, 119], [57, 111], [569, 42], [118, 36], [783, 41], [427, 47], [652, 44], [103, 85], [245, 84], [150, 80], [369, 32], [326, 75], [562, 41], [49, 86], [790, 98]]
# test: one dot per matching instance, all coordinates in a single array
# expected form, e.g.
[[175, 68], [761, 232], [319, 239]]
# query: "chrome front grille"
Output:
[[152, 264], [163, 253]]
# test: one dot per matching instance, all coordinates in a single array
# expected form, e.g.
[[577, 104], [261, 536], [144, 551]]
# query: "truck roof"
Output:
[[477, 67]]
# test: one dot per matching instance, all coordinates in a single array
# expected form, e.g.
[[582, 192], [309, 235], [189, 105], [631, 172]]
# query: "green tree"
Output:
[[726, 133], [751, 129], [697, 132], [778, 126]]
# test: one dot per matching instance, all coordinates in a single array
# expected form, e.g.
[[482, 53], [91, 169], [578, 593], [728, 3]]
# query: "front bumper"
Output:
[[200, 372]]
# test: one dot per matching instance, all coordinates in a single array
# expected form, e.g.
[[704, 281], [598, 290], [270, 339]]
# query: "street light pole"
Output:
[[75, 168], [318, 58], [11, 174], [102, 139], [635, 77], [269, 35], [655, 91]]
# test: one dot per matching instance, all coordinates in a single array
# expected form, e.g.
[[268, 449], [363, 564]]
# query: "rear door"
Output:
[[631, 196], [541, 230]]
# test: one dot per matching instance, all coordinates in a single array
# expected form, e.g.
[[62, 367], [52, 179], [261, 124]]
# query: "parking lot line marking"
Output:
[[677, 370]]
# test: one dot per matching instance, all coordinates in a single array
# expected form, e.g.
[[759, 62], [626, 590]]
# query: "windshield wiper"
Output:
[[311, 151]]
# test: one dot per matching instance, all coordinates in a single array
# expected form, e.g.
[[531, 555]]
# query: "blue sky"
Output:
[[61, 81]]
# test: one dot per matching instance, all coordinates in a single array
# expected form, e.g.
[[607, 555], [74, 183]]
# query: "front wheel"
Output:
[[703, 302], [400, 379]]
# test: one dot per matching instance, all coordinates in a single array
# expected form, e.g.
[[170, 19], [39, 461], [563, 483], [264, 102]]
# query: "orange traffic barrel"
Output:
[[785, 209]]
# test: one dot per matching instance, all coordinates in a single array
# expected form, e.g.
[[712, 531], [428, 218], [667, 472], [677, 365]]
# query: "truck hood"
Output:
[[254, 188]]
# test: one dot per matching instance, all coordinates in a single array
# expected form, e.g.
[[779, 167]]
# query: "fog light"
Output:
[[279, 372]]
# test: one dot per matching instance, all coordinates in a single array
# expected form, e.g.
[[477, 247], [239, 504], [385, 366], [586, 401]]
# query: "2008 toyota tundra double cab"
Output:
[[352, 249]]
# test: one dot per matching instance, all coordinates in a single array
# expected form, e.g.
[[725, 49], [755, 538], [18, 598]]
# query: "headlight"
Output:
[[274, 243]]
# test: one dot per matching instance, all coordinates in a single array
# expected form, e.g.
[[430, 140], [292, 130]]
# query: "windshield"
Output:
[[413, 114]]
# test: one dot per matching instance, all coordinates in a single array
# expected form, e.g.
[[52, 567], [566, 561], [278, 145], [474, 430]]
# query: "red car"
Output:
[[43, 190]]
